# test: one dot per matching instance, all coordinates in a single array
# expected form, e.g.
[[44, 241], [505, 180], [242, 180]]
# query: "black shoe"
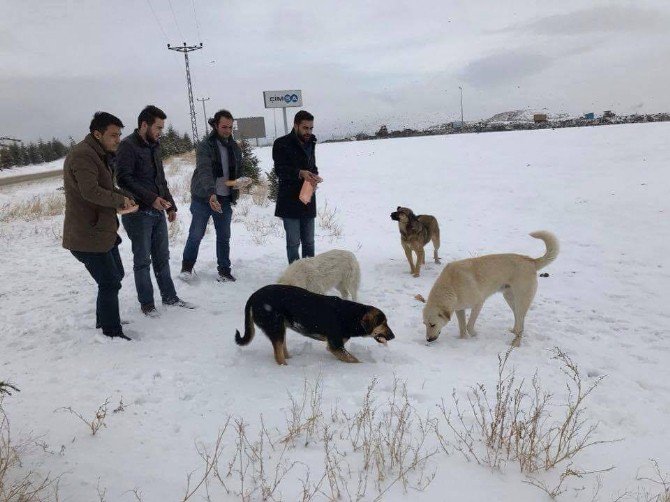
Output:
[[225, 275], [149, 310], [117, 334], [178, 302]]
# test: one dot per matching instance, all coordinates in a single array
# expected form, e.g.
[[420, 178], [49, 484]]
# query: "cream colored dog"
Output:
[[337, 269], [466, 284]]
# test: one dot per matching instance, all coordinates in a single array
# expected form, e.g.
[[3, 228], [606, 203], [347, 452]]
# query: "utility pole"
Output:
[[462, 123], [186, 49], [204, 112]]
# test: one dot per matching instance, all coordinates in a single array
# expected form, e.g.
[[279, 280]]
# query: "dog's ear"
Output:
[[445, 314], [397, 208], [372, 318]]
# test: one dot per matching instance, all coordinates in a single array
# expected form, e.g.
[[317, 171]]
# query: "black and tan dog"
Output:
[[327, 318], [415, 233]]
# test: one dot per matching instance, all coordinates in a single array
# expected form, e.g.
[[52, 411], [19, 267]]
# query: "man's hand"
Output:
[[214, 203], [171, 215], [129, 206], [310, 177], [161, 204]]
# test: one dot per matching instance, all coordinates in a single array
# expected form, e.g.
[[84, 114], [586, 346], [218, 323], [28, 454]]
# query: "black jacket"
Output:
[[289, 158], [208, 160], [139, 171]]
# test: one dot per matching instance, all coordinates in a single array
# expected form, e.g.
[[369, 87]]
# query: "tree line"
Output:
[[24, 154]]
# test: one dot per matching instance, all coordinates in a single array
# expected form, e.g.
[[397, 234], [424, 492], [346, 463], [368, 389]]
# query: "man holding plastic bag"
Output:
[[297, 173]]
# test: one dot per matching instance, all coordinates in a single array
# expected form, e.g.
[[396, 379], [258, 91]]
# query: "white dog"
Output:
[[466, 284], [333, 269]]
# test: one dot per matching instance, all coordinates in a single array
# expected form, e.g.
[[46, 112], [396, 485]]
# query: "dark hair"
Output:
[[149, 115], [302, 115], [225, 114], [102, 120]]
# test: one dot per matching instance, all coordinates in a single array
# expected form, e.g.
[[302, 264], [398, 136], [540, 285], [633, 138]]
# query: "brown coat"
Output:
[[91, 200]]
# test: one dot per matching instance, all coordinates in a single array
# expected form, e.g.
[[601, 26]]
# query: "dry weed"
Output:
[[40, 206]]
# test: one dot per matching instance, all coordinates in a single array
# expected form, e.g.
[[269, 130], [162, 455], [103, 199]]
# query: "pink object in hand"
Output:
[[306, 192]]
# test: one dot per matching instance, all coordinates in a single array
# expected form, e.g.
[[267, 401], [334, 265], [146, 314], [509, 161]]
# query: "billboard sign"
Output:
[[282, 99], [250, 127]]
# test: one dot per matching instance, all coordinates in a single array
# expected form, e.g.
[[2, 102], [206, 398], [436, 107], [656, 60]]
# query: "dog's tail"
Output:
[[249, 328], [551, 242]]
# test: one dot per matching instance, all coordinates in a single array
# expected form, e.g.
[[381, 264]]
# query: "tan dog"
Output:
[[466, 284], [415, 233]]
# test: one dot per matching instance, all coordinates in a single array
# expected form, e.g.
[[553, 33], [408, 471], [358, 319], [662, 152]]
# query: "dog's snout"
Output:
[[389, 334]]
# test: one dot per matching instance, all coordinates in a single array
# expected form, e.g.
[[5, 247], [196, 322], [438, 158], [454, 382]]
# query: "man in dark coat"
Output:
[[90, 226], [213, 193], [295, 163], [139, 171]]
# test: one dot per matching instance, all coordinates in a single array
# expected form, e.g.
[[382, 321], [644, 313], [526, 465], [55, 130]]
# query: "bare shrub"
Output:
[[328, 221], [262, 228], [516, 424], [95, 423], [260, 193], [16, 486], [389, 436], [660, 482], [174, 230]]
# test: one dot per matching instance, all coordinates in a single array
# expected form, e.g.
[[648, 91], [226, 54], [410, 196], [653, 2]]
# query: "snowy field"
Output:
[[603, 191]]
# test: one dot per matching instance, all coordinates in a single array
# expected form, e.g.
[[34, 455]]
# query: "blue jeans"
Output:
[[148, 231], [107, 271], [299, 230], [201, 212]]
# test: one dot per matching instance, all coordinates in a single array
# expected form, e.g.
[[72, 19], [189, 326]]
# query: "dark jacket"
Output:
[[139, 171], [207, 162], [91, 200], [290, 157]]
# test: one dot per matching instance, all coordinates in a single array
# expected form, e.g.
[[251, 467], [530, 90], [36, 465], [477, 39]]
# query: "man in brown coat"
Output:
[[90, 226]]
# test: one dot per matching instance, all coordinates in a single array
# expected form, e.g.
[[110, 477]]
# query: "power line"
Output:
[[158, 21], [175, 20], [197, 24]]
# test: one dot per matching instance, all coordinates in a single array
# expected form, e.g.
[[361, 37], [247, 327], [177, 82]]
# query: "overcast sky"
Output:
[[359, 64]]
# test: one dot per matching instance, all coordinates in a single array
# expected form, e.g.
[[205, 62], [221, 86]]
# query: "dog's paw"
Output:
[[472, 332]]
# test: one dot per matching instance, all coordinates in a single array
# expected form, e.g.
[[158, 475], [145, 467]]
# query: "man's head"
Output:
[[222, 123], [303, 124], [106, 128], [150, 123]]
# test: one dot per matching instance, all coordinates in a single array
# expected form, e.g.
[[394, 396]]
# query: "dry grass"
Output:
[[388, 437], [659, 482], [15, 485], [327, 218], [41, 206], [260, 228], [97, 421], [515, 424]]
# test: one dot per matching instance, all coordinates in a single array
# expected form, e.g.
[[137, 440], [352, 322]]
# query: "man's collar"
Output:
[[95, 144], [144, 141]]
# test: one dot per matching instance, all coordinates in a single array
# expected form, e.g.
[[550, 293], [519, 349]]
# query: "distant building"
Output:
[[609, 114], [539, 117], [590, 116]]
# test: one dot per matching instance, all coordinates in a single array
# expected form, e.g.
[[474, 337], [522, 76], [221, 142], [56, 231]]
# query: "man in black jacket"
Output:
[[218, 164], [139, 171], [295, 163]]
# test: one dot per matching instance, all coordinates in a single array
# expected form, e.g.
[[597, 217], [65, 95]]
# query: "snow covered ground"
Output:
[[32, 169], [602, 191]]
